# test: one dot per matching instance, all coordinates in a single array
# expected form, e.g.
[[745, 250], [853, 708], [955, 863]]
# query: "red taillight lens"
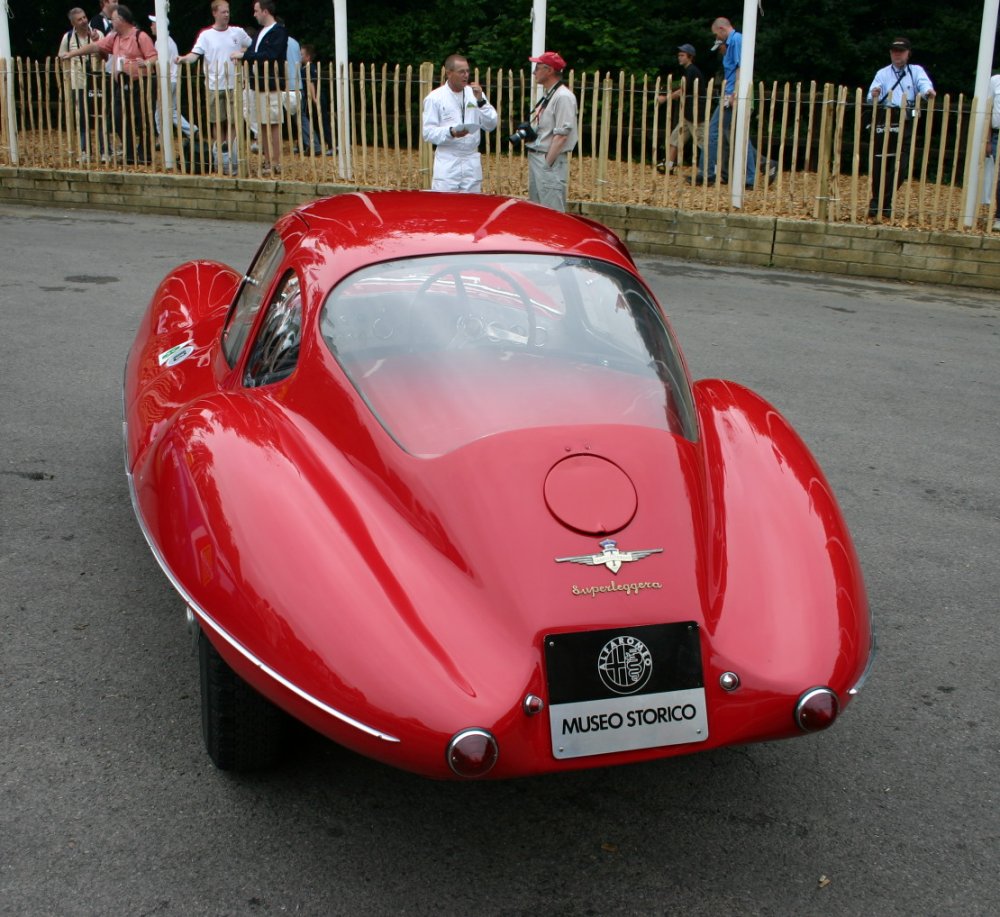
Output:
[[816, 709], [472, 753]]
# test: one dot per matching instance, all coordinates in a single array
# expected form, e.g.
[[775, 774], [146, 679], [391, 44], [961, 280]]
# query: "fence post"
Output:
[[426, 150], [67, 110], [602, 157], [823, 158], [859, 102], [408, 123], [240, 133], [924, 164], [595, 101], [945, 118]]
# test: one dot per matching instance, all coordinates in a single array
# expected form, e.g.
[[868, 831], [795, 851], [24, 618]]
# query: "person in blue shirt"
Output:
[[893, 94], [721, 120]]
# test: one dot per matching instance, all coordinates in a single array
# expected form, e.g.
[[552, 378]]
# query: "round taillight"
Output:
[[472, 753], [816, 709]]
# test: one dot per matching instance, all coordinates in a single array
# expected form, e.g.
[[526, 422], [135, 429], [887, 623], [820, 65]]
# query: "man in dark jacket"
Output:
[[267, 56], [102, 21]]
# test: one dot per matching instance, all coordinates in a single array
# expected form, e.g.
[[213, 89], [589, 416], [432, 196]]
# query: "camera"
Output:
[[524, 131]]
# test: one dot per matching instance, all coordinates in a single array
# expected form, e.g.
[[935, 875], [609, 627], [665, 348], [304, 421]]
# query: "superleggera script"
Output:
[[627, 588]]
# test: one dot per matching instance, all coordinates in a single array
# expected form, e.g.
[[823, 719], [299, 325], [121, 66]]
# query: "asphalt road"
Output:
[[109, 805]]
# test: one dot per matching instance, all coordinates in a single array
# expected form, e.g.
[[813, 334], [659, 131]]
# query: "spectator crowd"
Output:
[[110, 62]]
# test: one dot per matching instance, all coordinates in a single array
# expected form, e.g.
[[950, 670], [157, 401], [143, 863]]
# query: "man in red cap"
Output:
[[554, 121]]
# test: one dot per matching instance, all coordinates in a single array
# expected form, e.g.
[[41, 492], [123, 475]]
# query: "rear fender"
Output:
[[175, 355], [786, 601]]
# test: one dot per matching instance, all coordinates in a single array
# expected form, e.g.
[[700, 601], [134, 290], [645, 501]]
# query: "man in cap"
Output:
[[454, 115], [554, 121], [893, 93], [691, 88]]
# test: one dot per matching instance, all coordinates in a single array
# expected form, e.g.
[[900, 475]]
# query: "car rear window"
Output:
[[449, 349]]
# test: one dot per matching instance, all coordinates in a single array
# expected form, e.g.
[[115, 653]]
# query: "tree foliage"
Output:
[[797, 41]]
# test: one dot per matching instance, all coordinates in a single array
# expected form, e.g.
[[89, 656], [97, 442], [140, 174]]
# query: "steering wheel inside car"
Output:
[[471, 326]]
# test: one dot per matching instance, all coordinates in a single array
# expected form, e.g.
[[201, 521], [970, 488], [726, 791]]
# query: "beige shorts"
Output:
[[217, 105], [681, 132], [266, 107]]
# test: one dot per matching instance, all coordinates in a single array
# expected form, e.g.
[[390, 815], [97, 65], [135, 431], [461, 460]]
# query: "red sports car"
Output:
[[433, 479]]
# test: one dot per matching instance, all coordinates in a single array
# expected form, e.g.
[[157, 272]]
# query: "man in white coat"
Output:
[[454, 114]]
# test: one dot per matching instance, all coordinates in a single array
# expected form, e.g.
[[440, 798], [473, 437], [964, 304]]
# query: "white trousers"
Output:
[[457, 171]]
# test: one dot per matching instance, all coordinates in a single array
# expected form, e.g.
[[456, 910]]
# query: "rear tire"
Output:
[[243, 731]]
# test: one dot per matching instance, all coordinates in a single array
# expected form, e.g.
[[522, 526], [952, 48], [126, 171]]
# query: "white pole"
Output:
[[345, 169], [744, 93], [981, 111], [539, 14], [163, 82], [7, 63]]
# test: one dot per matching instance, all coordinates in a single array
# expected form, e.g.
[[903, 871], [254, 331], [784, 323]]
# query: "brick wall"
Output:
[[883, 252]]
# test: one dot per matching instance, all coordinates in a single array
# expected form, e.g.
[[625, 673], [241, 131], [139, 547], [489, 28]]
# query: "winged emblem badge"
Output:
[[609, 557]]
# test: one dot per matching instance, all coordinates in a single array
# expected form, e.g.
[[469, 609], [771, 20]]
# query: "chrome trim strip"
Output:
[[242, 650], [872, 653]]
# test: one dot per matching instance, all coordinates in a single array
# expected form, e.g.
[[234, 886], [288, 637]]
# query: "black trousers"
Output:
[[133, 114], [901, 121]]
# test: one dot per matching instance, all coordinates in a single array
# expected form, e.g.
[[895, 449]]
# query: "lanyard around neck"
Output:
[[543, 102], [899, 79]]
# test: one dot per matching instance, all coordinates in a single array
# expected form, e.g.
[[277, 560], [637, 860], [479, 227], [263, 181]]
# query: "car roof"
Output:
[[350, 231]]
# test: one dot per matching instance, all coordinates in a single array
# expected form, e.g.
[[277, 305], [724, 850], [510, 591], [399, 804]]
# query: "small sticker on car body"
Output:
[[177, 354]]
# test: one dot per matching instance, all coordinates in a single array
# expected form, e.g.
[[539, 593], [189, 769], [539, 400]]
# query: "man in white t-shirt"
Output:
[[215, 46]]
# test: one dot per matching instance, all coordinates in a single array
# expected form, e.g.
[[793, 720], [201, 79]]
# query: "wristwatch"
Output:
[[481, 102]]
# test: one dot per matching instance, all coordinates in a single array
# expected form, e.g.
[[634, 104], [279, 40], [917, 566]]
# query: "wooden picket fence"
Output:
[[821, 141]]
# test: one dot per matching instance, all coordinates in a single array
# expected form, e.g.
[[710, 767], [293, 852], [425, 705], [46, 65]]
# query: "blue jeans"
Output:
[[312, 139], [178, 118], [715, 129]]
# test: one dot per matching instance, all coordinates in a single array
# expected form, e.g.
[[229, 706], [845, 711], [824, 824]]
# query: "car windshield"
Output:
[[446, 350]]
